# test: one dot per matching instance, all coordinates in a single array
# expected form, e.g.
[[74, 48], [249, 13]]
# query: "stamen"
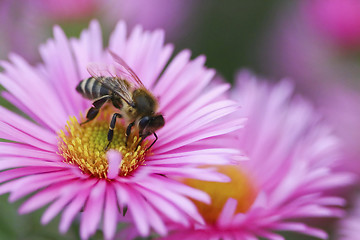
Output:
[[84, 146]]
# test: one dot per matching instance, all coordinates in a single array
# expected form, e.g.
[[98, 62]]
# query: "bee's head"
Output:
[[149, 124]]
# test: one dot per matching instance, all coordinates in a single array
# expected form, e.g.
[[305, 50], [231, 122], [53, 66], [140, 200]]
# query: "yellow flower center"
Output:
[[84, 145], [240, 188]]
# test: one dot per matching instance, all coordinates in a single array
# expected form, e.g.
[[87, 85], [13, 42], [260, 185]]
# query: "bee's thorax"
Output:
[[145, 103]]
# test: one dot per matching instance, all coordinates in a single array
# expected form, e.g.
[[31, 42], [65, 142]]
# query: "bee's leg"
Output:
[[94, 110], [111, 128], [142, 137], [145, 136], [128, 132], [156, 138]]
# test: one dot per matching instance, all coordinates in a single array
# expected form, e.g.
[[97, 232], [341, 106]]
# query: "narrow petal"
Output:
[[136, 206], [73, 209], [37, 182], [42, 198], [93, 210], [16, 149], [114, 159], [110, 213], [62, 201], [227, 213]]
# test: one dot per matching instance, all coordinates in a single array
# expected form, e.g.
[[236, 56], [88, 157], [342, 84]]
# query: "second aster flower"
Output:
[[294, 160]]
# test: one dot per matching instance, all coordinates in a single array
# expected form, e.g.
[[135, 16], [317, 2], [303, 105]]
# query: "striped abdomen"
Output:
[[92, 88]]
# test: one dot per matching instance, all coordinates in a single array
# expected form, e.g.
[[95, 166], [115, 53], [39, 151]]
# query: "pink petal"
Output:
[[110, 213], [136, 208], [73, 208], [196, 160], [93, 210], [156, 221], [16, 149], [220, 129], [180, 104], [122, 195], [191, 150], [25, 171], [23, 108], [37, 182], [227, 213], [191, 71], [41, 198], [62, 201], [174, 68], [118, 38], [38, 100], [60, 65], [180, 201], [114, 159], [162, 205], [12, 162], [302, 228], [201, 174]]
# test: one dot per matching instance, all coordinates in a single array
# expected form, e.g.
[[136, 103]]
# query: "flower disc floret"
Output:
[[241, 188], [84, 145]]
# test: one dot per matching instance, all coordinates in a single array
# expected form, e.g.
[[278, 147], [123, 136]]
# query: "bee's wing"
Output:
[[106, 75], [120, 87], [99, 70], [124, 70]]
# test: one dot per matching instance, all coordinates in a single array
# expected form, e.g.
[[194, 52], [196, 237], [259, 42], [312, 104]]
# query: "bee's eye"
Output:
[[144, 122]]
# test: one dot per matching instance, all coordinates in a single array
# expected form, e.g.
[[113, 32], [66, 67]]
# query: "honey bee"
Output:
[[127, 93]]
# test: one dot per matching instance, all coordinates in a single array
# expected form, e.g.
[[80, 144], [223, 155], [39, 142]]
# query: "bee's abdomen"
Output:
[[92, 88]]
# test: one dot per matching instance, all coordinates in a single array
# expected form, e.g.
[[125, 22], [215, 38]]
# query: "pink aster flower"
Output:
[[293, 160], [63, 165], [348, 228]]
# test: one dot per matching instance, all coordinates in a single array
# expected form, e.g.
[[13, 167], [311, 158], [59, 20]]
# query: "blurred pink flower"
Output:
[[67, 9], [325, 72], [168, 15], [348, 228], [39, 160], [339, 20], [33, 20], [16, 25], [153, 14], [293, 161]]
